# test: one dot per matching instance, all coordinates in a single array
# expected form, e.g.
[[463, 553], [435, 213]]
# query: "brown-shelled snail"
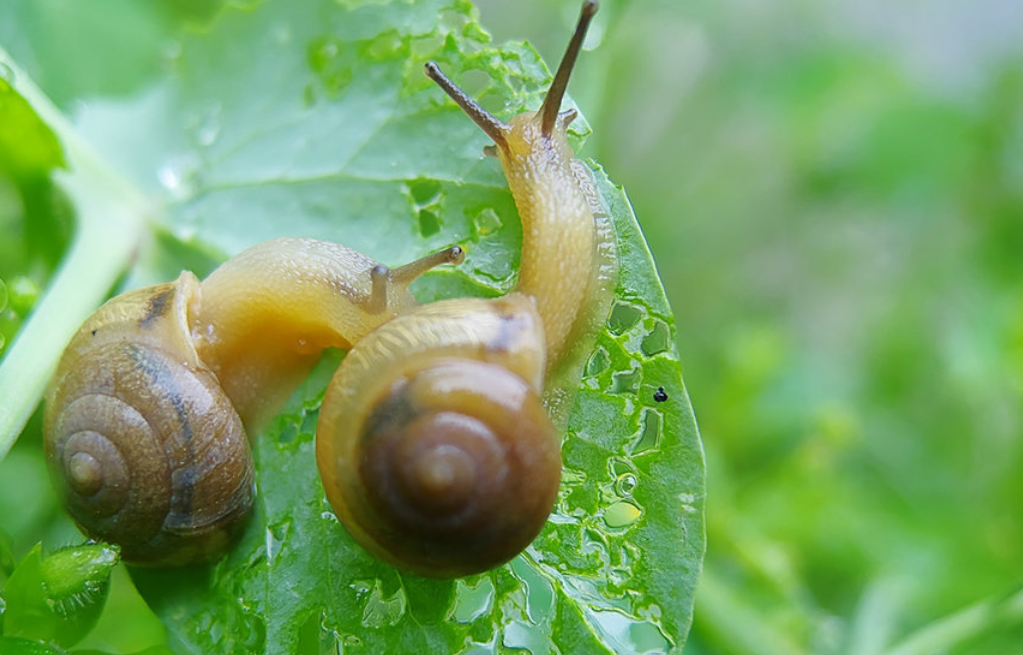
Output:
[[438, 440], [146, 417]]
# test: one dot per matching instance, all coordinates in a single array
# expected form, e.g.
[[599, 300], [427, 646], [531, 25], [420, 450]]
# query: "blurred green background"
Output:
[[834, 194]]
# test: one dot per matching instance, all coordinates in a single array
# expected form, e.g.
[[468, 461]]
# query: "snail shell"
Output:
[[433, 443], [145, 449]]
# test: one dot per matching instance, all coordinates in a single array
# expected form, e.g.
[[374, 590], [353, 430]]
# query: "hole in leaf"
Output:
[[658, 340], [623, 316], [429, 224]]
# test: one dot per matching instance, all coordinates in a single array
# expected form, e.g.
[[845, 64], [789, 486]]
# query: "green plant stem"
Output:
[[110, 220], [947, 634]]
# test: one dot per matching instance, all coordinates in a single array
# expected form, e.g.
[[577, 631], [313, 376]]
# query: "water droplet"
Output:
[[208, 128], [598, 362], [170, 177], [177, 176], [625, 484], [539, 590], [275, 537], [621, 514], [380, 611], [487, 222], [657, 340], [6, 73], [626, 634], [649, 432], [22, 294], [688, 502], [530, 638], [472, 602], [623, 317]]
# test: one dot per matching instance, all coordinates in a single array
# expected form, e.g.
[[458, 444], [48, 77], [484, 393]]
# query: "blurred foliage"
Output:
[[834, 194]]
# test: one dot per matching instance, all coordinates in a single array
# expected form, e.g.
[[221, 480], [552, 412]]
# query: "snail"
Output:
[[438, 440], [146, 418]]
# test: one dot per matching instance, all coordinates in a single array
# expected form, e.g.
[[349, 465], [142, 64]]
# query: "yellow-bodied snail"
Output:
[[438, 439], [459, 383]]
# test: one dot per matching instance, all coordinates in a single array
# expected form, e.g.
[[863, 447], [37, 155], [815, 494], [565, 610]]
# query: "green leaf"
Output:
[[27, 145], [313, 118], [6, 554], [110, 214], [58, 598], [76, 49], [19, 646]]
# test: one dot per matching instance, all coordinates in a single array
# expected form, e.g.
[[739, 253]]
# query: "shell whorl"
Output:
[[441, 459], [143, 446]]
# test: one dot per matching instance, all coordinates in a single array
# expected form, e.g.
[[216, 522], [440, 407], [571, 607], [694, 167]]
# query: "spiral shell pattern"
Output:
[[441, 459], [143, 447]]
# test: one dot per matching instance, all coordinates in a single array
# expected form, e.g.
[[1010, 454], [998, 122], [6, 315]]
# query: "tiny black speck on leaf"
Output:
[[659, 395]]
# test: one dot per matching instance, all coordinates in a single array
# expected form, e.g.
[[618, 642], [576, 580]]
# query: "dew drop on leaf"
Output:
[[177, 176], [630, 635], [208, 128], [472, 601], [625, 484], [621, 514]]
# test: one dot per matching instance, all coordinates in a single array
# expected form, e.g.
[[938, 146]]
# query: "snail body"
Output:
[[147, 415], [568, 249]]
